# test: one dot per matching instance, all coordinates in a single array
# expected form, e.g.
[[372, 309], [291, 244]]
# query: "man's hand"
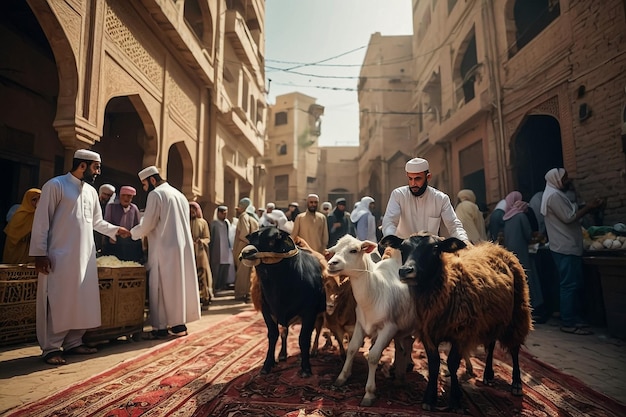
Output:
[[43, 265], [123, 232]]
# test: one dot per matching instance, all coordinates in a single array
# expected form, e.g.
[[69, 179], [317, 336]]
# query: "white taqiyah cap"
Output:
[[416, 165], [147, 172], [107, 187], [87, 155]]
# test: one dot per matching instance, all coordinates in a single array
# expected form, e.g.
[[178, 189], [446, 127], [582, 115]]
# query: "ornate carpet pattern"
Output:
[[216, 373]]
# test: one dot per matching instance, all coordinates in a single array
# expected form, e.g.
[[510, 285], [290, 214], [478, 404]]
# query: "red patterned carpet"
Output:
[[216, 373]]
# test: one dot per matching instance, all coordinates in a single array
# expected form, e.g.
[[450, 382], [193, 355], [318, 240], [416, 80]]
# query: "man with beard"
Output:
[[68, 294], [418, 207], [339, 223], [311, 225], [124, 213], [173, 284]]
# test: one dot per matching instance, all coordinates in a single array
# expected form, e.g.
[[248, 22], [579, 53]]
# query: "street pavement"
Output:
[[598, 360]]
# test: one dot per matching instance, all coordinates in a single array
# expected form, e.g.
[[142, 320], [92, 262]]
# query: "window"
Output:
[[281, 149], [280, 118], [532, 17], [281, 187]]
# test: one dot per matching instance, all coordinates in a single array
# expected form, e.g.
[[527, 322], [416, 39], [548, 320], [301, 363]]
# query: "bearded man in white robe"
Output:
[[68, 293], [419, 207], [172, 280]]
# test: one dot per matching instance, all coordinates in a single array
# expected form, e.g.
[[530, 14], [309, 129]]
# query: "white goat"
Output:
[[385, 308]]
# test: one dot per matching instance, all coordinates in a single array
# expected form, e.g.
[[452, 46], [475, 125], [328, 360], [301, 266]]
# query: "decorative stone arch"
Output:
[[66, 67], [179, 171]]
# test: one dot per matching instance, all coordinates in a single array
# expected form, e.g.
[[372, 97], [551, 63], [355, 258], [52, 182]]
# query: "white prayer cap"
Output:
[[313, 197], [87, 155], [416, 165], [270, 206], [107, 187], [147, 172]]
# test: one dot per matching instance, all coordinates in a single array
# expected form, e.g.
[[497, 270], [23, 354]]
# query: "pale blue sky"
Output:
[[302, 32]]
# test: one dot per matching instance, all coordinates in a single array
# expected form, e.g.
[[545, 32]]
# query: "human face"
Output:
[[222, 214], [311, 205], [92, 170], [417, 181], [125, 200], [341, 206], [193, 212], [35, 200]]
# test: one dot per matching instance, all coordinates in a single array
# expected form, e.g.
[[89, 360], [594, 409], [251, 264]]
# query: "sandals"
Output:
[[54, 358], [576, 330], [81, 350]]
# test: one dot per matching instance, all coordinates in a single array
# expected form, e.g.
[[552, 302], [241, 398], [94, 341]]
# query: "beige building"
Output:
[[386, 122], [507, 90], [337, 174], [292, 154], [176, 84]]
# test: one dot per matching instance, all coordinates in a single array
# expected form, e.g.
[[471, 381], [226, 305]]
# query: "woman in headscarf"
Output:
[[566, 246], [364, 220], [517, 237], [201, 238], [19, 228], [470, 215]]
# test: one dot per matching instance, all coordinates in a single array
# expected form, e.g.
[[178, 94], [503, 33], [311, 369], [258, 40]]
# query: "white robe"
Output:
[[66, 216], [173, 283], [407, 214]]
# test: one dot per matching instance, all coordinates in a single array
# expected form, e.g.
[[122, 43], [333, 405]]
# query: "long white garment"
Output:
[[173, 286], [66, 216], [407, 214]]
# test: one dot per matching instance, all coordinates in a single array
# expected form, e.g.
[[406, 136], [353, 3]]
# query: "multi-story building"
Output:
[[176, 84], [508, 89], [292, 153], [337, 174], [386, 121]]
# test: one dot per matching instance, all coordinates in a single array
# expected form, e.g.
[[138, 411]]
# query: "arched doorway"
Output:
[[536, 149], [122, 147], [29, 91], [180, 168]]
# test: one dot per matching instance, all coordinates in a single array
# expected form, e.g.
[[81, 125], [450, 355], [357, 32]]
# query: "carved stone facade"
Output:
[[171, 83]]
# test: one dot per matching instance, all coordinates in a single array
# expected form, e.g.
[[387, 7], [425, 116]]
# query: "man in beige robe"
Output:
[[248, 223], [311, 225]]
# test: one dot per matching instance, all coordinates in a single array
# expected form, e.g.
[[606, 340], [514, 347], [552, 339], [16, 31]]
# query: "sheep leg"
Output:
[[516, 386], [272, 338], [454, 359], [319, 322], [382, 341], [284, 334], [402, 358], [430, 395], [488, 373], [308, 323], [355, 344]]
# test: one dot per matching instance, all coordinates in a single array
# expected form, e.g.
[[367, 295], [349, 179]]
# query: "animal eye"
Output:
[[353, 251]]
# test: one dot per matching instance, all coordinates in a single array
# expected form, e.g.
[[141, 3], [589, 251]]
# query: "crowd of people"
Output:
[[62, 227]]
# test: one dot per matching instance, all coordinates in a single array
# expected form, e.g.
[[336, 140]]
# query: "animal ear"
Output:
[[451, 245], [329, 253], [368, 246], [391, 241]]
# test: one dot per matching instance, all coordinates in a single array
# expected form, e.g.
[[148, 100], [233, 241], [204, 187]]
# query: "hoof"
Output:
[[488, 382], [339, 382], [305, 373], [367, 402], [282, 358], [516, 390], [427, 407]]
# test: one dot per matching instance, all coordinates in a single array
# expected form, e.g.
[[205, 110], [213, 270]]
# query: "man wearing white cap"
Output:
[[265, 219], [419, 207], [123, 213], [68, 293], [312, 225], [106, 195], [173, 284]]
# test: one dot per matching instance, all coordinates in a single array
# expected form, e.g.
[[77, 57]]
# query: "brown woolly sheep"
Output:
[[468, 297]]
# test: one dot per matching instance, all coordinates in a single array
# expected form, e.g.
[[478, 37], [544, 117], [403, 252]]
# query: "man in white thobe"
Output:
[[419, 207], [172, 279], [68, 294]]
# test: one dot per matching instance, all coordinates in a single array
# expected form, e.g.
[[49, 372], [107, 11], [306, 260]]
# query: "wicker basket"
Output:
[[18, 297], [122, 301]]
